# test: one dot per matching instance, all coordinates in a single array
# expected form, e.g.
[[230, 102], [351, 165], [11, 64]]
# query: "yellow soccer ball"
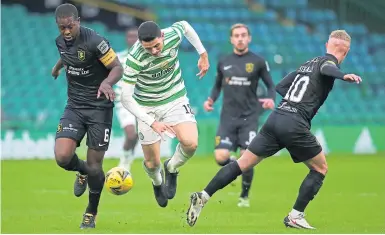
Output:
[[118, 181]]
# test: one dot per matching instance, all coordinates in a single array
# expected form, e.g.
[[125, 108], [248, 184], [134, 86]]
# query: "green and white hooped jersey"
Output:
[[158, 80]]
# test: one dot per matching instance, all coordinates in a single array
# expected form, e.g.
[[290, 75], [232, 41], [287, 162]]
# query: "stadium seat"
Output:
[[29, 93]]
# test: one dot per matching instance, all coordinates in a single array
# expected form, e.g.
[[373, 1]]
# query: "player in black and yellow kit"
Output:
[[304, 91], [237, 75], [92, 68]]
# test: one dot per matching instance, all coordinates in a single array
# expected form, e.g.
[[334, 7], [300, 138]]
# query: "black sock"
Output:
[[229, 160], [80, 165], [225, 176], [95, 183], [76, 164], [309, 188], [247, 177]]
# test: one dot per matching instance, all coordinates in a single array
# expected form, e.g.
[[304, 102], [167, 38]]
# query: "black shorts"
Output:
[[234, 133], [75, 123], [285, 131]]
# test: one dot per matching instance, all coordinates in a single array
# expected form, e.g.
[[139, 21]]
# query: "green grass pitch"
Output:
[[36, 197]]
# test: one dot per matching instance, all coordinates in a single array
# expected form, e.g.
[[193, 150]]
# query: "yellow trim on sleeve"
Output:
[[108, 57]]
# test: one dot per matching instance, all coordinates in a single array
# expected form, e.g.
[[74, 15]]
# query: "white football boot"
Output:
[[196, 205], [298, 221]]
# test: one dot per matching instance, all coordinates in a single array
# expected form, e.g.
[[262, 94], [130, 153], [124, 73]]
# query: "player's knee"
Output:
[[94, 169], [222, 157], [63, 157], [152, 164], [189, 146], [322, 168]]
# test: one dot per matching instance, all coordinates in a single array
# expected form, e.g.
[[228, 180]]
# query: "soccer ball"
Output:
[[118, 181]]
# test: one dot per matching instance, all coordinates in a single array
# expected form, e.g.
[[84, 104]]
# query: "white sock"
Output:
[[154, 174], [178, 159], [294, 213], [205, 196], [127, 154]]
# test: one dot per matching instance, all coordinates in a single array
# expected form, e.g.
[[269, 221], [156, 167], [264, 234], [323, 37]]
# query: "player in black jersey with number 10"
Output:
[[288, 126], [92, 68]]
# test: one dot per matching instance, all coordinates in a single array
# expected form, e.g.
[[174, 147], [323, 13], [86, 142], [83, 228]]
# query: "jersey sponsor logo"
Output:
[[103, 47], [249, 67], [238, 81], [77, 71], [70, 128], [163, 72], [286, 107], [227, 67], [81, 55]]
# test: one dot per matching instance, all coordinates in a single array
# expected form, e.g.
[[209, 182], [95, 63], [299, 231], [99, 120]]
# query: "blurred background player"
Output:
[[304, 91], [126, 119], [238, 74], [92, 68], [160, 100]]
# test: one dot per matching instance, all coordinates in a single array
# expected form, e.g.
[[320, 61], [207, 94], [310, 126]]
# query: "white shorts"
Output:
[[125, 118], [172, 113]]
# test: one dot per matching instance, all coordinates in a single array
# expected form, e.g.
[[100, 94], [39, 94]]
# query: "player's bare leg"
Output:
[[309, 188], [187, 134], [222, 157], [95, 183], [130, 141], [223, 178], [153, 169], [67, 159]]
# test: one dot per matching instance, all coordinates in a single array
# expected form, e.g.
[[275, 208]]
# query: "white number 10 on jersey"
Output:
[[300, 83]]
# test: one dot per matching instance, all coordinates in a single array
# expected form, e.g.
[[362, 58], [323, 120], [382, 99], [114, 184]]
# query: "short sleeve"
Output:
[[101, 47]]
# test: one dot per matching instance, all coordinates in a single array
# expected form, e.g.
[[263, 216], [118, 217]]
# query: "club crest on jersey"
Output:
[[249, 67], [59, 128], [173, 52], [81, 55], [217, 140]]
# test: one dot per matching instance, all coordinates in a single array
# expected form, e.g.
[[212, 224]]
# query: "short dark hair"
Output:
[[148, 31], [66, 10], [236, 26]]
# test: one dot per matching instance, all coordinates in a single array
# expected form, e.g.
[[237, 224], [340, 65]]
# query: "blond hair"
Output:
[[237, 26], [340, 34]]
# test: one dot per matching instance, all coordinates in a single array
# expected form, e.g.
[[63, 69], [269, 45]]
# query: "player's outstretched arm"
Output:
[[191, 35], [283, 86], [107, 56], [131, 105], [56, 68], [266, 78], [267, 103], [116, 72], [330, 69], [215, 91]]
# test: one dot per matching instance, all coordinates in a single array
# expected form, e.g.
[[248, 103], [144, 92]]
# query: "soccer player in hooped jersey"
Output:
[[155, 93]]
